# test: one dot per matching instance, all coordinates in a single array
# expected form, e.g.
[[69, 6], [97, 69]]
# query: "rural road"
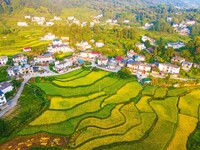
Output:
[[13, 102]]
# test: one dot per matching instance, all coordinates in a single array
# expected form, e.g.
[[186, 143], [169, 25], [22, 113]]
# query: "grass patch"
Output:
[[70, 74], [166, 109], [149, 90], [67, 103], [189, 104], [54, 116], [135, 133], [176, 92], [124, 94], [114, 119], [81, 74], [132, 119], [87, 80], [53, 90], [157, 139], [143, 104], [160, 92], [67, 127], [186, 125]]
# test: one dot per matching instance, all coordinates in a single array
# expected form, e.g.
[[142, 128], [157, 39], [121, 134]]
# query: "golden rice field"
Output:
[[116, 113]]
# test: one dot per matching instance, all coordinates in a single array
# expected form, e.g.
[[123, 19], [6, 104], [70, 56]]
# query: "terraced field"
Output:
[[14, 44], [99, 110]]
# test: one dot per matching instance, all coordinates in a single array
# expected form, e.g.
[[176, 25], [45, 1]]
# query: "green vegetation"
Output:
[[81, 74], [124, 94], [87, 80], [176, 91], [160, 92], [25, 113], [112, 113], [4, 74], [67, 103], [189, 104], [149, 90]]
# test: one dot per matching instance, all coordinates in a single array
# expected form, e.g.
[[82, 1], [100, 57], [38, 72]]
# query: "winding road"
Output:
[[13, 102]]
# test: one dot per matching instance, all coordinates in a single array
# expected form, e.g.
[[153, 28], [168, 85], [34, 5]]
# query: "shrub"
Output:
[[124, 73]]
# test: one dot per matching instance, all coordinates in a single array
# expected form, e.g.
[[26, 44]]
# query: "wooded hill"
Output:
[[55, 6]]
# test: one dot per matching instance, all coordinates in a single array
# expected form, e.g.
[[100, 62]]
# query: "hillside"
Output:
[[55, 6]]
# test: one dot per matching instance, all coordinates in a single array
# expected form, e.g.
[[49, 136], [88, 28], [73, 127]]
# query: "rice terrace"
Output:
[[95, 109]]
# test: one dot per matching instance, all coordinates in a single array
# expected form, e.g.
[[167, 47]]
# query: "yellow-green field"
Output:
[[99, 110]]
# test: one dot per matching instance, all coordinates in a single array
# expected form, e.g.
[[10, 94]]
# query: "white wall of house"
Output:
[[2, 100], [102, 62], [22, 24], [168, 68], [3, 60], [8, 89]]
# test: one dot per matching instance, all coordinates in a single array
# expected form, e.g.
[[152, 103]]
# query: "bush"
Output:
[[125, 73]]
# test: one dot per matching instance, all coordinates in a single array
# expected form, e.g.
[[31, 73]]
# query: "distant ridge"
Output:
[[56, 5]]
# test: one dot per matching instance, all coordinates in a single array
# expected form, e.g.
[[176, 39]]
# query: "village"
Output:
[[135, 62], [183, 27]]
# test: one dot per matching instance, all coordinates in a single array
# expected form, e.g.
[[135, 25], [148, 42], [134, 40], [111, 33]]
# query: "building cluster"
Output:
[[39, 21], [176, 45], [183, 27], [58, 46]]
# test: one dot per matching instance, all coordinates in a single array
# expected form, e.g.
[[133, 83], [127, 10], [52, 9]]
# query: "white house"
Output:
[[27, 17], [196, 65], [102, 61], [84, 45], [141, 46], [144, 68], [112, 64], [2, 99], [3, 60], [56, 42], [71, 18], [99, 44], [46, 58], [57, 18], [60, 66], [177, 59], [94, 54], [169, 68], [83, 24], [40, 23], [148, 25], [131, 53], [65, 38], [175, 45], [139, 58], [169, 19], [6, 87], [91, 24], [49, 23], [84, 54], [38, 19], [59, 48], [26, 69], [13, 71], [146, 38], [48, 37], [186, 65], [190, 22], [126, 21], [22, 24], [111, 21], [20, 70], [20, 58]]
